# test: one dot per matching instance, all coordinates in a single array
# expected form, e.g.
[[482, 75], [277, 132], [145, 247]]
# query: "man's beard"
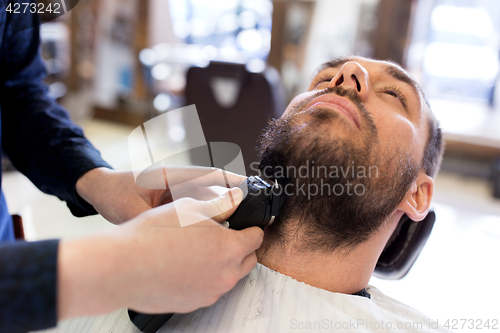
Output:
[[319, 200]]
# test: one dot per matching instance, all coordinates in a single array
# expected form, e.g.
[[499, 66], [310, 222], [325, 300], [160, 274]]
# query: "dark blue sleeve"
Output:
[[37, 133], [28, 285]]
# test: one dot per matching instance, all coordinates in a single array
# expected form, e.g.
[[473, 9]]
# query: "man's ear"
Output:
[[417, 200]]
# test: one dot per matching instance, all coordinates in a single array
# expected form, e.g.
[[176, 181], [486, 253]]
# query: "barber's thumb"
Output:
[[251, 238], [222, 207]]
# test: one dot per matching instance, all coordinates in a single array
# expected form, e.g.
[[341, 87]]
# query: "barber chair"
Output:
[[404, 246], [234, 105]]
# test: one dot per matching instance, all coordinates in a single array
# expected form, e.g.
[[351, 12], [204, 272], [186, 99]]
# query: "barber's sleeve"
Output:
[[28, 285], [37, 133]]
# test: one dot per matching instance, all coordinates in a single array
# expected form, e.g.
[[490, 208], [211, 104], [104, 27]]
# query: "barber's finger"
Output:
[[202, 176], [200, 193], [222, 207], [250, 239], [234, 179], [219, 177], [248, 264], [204, 193]]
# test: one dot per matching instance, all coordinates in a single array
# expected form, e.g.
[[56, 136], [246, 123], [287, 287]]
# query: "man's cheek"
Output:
[[296, 102], [396, 132]]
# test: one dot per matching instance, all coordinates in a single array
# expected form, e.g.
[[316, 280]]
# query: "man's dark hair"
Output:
[[434, 148]]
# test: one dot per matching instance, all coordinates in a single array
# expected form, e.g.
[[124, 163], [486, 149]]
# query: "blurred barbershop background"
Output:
[[115, 64]]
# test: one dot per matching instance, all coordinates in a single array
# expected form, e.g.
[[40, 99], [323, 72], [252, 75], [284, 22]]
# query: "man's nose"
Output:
[[352, 76]]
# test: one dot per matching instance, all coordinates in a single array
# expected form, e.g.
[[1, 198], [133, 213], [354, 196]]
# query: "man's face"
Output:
[[357, 114], [389, 108]]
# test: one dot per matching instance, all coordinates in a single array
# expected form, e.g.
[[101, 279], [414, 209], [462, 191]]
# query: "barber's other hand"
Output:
[[198, 263], [117, 197], [153, 265]]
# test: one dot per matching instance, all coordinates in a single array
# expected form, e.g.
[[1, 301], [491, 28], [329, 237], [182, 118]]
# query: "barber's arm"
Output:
[[37, 133], [45, 145], [150, 264], [118, 197]]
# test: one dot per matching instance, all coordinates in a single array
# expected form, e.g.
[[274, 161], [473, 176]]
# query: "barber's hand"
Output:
[[116, 196], [190, 267], [153, 265]]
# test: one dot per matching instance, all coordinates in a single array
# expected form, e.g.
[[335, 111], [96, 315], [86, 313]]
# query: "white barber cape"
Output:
[[266, 301]]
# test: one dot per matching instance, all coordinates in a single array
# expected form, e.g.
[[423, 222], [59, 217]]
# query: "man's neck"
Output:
[[338, 271]]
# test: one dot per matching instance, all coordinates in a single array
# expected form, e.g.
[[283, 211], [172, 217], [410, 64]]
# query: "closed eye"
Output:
[[323, 80], [395, 92], [392, 93], [326, 77]]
